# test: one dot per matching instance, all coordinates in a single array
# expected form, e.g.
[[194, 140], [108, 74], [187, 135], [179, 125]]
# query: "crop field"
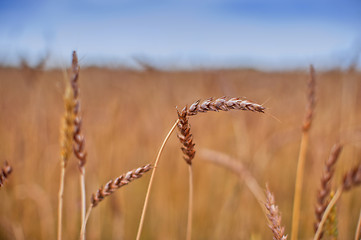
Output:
[[125, 116]]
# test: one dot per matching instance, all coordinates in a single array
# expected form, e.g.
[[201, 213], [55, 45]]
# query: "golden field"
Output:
[[126, 115]]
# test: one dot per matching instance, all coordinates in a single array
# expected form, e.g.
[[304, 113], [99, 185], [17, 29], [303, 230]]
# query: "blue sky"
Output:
[[184, 34]]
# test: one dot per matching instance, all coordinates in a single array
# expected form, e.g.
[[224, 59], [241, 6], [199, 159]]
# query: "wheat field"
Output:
[[125, 116]]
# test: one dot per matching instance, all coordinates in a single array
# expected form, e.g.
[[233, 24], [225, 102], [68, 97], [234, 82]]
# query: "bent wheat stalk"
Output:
[[110, 188], [140, 227], [239, 169], [67, 140], [302, 154]]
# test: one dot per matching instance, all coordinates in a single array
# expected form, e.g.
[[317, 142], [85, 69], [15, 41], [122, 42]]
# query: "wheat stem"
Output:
[[327, 211], [298, 186], [84, 222], [83, 200], [358, 230], [311, 102], [274, 217], [60, 204], [151, 181], [190, 203]]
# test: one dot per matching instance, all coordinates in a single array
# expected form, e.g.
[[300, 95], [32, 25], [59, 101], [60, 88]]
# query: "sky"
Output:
[[281, 34]]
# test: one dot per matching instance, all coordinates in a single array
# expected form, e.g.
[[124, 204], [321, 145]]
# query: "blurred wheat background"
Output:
[[142, 60], [127, 113]]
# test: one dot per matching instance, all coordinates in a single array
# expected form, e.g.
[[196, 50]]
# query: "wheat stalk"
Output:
[[4, 173], [67, 133], [79, 140], [358, 229], [238, 168], [325, 190], [274, 217], [351, 179], [311, 102], [140, 227], [110, 188]]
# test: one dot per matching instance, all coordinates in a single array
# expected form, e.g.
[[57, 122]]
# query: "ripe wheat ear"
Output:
[[274, 217], [110, 188], [186, 138], [67, 133]]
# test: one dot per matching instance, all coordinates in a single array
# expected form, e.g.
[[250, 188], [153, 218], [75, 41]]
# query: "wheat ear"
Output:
[[140, 227], [311, 102], [4, 173], [224, 104], [274, 217], [110, 188], [79, 140], [185, 137], [67, 133], [350, 180], [325, 189]]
